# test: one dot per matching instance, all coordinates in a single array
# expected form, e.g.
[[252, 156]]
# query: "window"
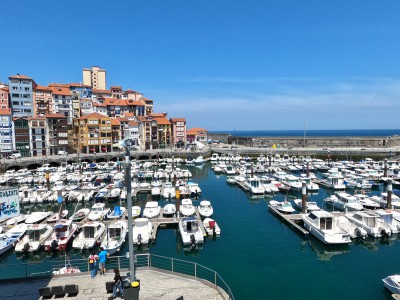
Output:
[[15, 95], [15, 103]]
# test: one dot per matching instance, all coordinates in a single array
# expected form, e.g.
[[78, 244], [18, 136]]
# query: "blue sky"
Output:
[[223, 65]]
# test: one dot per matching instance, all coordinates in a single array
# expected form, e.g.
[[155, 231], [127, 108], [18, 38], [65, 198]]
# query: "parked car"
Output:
[[61, 152], [15, 155]]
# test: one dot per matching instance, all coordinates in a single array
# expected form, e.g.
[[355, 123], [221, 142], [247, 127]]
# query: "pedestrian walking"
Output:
[[92, 264], [118, 284], [102, 261]]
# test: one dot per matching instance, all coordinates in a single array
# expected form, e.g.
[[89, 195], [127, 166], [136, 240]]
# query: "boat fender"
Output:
[[54, 245]]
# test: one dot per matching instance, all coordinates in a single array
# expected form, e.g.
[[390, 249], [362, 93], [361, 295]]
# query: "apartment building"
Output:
[[43, 100], [95, 77], [21, 95], [196, 134], [62, 101], [57, 135], [178, 132], [22, 136], [4, 100], [6, 132], [38, 136]]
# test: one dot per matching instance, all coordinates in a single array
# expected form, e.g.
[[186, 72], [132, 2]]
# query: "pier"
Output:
[[291, 219]]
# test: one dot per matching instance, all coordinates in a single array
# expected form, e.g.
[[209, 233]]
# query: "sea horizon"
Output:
[[311, 133]]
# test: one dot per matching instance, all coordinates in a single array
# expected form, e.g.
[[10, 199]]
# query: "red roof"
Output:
[[133, 123], [163, 121], [95, 115], [63, 91], [19, 76], [174, 120], [98, 91], [5, 111], [55, 116], [42, 88], [115, 102], [115, 122]]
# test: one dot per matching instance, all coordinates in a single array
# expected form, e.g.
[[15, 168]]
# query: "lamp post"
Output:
[[127, 163]]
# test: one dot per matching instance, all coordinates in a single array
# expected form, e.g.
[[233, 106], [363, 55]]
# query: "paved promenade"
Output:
[[153, 285]]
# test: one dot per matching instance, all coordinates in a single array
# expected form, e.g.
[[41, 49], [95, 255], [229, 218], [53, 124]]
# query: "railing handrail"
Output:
[[149, 262]]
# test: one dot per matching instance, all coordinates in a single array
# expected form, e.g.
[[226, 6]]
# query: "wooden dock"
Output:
[[291, 219]]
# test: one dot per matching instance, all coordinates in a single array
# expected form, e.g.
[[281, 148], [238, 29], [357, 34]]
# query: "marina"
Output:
[[253, 230]]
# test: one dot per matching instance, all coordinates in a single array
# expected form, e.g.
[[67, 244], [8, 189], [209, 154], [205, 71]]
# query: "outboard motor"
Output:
[[54, 245], [139, 238], [385, 233], [26, 247], [192, 240]]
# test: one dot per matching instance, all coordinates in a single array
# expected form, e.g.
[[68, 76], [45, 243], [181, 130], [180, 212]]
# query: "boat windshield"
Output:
[[325, 223], [89, 232], [114, 232], [34, 235], [97, 209]]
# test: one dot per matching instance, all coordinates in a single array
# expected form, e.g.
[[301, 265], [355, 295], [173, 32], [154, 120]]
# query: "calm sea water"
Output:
[[315, 133], [262, 258]]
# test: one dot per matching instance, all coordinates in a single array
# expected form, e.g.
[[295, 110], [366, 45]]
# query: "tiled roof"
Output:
[[36, 118], [158, 115], [115, 122], [178, 120], [19, 76], [99, 104], [62, 91], [42, 88], [134, 103], [5, 111], [98, 91], [129, 114], [55, 116], [115, 102], [163, 121], [133, 123], [95, 115]]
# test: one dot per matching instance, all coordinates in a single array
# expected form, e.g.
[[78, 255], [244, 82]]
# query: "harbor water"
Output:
[[259, 256]]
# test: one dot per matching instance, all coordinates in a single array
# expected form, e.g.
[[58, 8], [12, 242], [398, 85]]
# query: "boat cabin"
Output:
[[323, 219], [190, 224], [89, 231]]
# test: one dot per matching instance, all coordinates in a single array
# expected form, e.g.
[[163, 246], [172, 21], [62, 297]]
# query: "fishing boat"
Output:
[[151, 210], [211, 227], [80, 214], [205, 209], [115, 237], [36, 235], [16, 220], [194, 189], [98, 212], [142, 231], [62, 235], [322, 225], [117, 213], [101, 195], [11, 237], [57, 216], [344, 202], [190, 231], [254, 186], [371, 222], [90, 235], [155, 191], [113, 194]]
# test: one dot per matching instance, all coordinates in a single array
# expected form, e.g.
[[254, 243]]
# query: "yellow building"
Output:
[[95, 77], [92, 134]]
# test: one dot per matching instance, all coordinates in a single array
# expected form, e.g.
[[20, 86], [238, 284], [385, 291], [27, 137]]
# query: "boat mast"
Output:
[[304, 138]]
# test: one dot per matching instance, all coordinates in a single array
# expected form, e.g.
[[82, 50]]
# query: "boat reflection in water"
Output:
[[373, 244], [326, 252]]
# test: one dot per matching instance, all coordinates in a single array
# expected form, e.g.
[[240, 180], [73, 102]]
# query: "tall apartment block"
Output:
[[21, 95], [95, 77]]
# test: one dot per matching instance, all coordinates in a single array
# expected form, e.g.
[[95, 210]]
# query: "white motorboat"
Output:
[[284, 207], [142, 231], [115, 236], [254, 186], [11, 237], [113, 194], [16, 220], [155, 191], [292, 182], [62, 235], [169, 190], [151, 210], [371, 222], [186, 208], [322, 225], [37, 217], [194, 189], [333, 182], [205, 209], [98, 212], [211, 227], [57, 216], [350, 228], [344, 202], [190, 232], [80, 214], [382, 201], [101, 195], [310, 205], [366, 202], [117, 213], [91, 234], [387, 217], [136, 210], [36, 235], [199, 161], [169, 210], [392, 283]]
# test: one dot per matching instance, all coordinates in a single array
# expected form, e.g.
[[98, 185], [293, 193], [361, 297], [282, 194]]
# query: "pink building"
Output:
[[178, 132], [4, 102]]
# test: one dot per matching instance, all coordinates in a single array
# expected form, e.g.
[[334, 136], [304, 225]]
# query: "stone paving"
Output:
[[153, 285]]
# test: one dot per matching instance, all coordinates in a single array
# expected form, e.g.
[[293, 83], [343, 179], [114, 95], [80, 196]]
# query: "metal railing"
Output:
[[142, 261]]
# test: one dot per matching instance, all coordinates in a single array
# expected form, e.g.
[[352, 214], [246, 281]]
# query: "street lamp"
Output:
[[127, 164]]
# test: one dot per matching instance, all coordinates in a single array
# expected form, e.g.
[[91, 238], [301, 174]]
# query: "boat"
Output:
[[115, 236], [91, 233], [37, 217], [169, 210], [310, 205], [57, 216], [205, 209], [388, 218], [101, 195], [322, 225], [254, 186], [117, 213], [187, 208], [371, 222], [169, 190], [382, 200], [333, 182], [366, 202], [11, 237], [155, 191], [36, 235], [199, 160], [16, 220], [113, 194], [98, 212], [142, 231], [136, 210], [284, 207], [151, 210], [194, 189], [62, 235], [190, 231], [80, 215], [211, 227], [392, 283], [344, 202]]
